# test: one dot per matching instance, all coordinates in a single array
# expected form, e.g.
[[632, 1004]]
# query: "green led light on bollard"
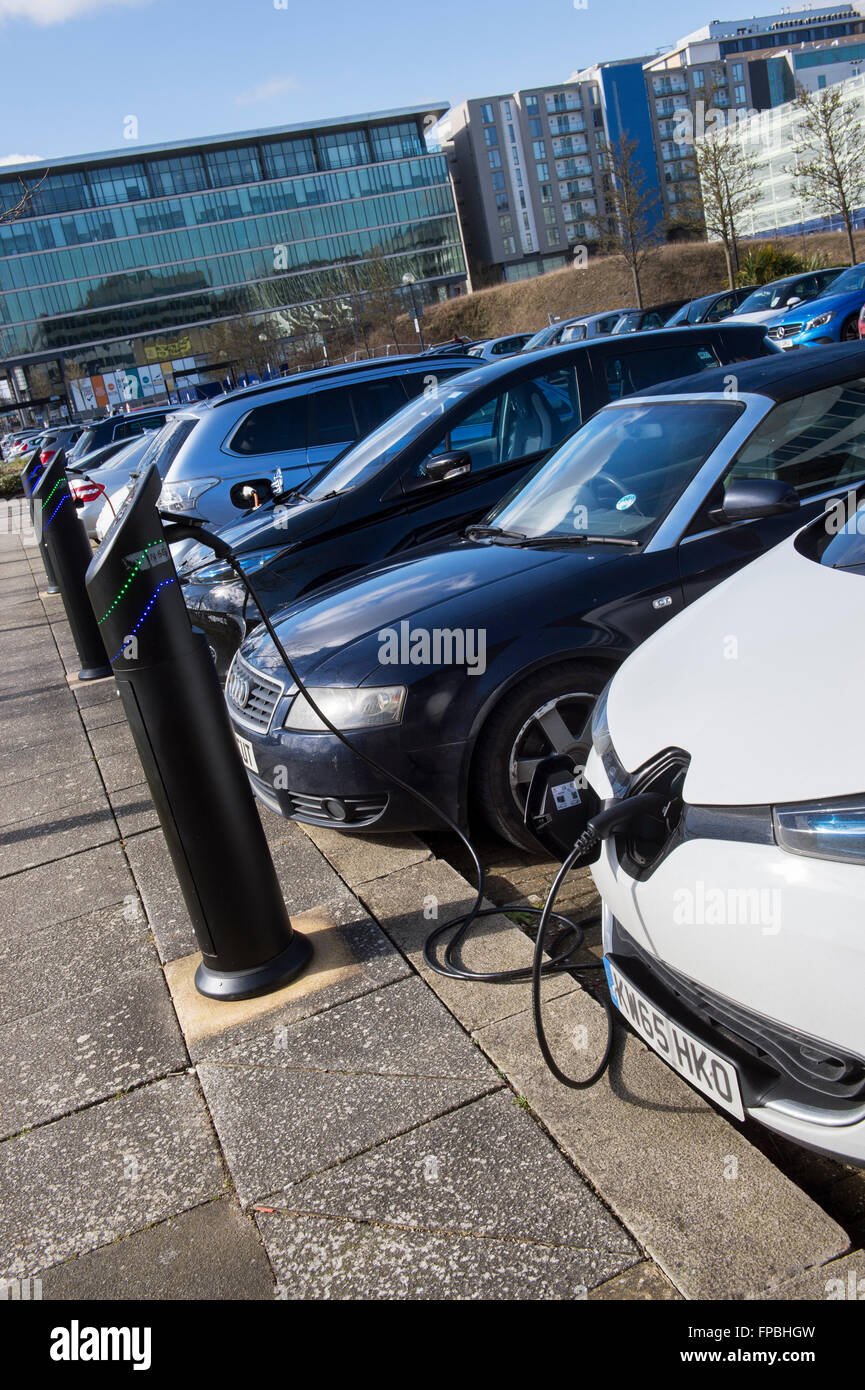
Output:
[[68, 551], [177, 715]]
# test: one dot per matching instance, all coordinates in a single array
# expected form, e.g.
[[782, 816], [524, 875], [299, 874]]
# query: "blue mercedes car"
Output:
[[832, 317]]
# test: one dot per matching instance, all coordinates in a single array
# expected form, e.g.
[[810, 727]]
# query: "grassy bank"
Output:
[[673, 272]]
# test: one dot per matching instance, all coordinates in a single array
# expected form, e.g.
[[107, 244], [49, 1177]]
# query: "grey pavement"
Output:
[[372, 1131]]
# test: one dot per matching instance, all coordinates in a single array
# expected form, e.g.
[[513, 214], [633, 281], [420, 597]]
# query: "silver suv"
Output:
[[257, 443]]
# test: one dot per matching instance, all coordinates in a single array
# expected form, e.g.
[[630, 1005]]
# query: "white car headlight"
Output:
[[823, 829], [184, 495], [819, 320], [363, 707]]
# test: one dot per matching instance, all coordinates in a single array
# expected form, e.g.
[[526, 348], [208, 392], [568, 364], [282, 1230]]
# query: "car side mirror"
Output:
[[251, 493], [748, 499], [795, 300], [446, 466]]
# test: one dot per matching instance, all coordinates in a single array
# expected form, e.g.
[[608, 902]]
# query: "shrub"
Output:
[[770, 262]]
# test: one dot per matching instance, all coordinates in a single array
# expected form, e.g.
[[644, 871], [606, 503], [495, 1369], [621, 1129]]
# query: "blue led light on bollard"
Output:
[[29, 478], [177, 715], [68, 550]]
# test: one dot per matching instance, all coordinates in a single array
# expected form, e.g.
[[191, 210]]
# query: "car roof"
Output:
[[781, 376], [329, 373]]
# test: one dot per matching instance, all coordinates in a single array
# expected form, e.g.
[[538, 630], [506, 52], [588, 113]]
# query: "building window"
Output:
[[699, 78], [532, 106], [543, 172], [536, 127], [738, 72], [285, 158], [506, 225], [498, 179], [495, 159], [400, 141], [507, 111], [511, 136], [501, 201], [739, 96], [554, 237], [510, 246], [550, 217], [593, 95], [185, 174], [516, 157], [487, 114], [546, 193], [539, 149], [122, 183], [226, 167], [491, 136], [597, 120], [343, 150]]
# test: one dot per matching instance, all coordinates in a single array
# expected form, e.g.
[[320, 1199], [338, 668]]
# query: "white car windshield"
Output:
[[619, 475]]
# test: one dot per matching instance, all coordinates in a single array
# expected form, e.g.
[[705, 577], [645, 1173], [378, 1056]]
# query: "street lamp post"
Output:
[[409, 280]]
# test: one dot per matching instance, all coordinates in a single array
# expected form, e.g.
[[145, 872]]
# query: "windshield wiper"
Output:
[[580, 538], [494, 533]]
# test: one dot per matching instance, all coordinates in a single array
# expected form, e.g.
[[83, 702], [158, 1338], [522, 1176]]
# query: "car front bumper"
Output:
[[760, 954]]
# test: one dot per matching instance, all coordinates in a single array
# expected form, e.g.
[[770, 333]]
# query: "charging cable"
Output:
[[599, 827]]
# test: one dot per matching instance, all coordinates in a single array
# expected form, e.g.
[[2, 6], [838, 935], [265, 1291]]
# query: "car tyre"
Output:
[[850, 329], [550, 712]]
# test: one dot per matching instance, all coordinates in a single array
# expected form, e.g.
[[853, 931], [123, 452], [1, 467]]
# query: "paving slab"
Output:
[[87, 1048], [401, 1030], [69, 830], [487, 1171], [89, 1178], [39, 898], [410, 902], [837, 1282], [119, 770], [43, 756], [321, 1258], [359, 858], [96, 716], [710, 1209], [70, 786], [113, 739], [279, 1122], [211, 1252], [134, 810], [65, 959], [641, 1283]]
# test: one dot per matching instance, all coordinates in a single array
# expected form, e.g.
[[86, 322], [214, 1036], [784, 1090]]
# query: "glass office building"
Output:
[[128, 260]]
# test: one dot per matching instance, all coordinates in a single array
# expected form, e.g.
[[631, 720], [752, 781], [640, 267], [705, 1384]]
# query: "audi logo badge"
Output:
[[238, 689]]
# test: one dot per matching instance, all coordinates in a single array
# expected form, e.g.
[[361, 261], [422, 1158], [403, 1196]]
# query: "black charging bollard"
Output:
[[176, 711], [29, 478], [69, 551]]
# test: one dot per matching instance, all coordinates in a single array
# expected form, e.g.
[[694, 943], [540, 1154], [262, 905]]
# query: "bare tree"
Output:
[[632, 210], [829, 170], [20, 208], [729, 186]]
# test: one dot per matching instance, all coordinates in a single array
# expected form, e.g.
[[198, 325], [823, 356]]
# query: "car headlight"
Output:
[[363, 707], [820, 320], [219, 570], [823, 829], [184, 495]]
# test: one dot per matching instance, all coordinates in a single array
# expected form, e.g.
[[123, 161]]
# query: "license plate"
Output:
[[247, 753], [705, 1070]]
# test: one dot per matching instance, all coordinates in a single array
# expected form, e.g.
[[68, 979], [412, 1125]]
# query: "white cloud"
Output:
[[265, 91], [19, 158], [44, 12]]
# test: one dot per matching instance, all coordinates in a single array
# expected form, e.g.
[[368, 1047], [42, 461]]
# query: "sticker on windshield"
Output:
[[625, 502]]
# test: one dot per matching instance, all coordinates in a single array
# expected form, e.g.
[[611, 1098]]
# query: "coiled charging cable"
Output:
[[573, 933]]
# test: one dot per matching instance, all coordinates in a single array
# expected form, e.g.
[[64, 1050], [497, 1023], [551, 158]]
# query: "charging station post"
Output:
[[29, 478], [68, 549], [176, 711]]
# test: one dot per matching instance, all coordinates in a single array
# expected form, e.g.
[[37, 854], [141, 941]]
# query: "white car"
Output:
[[734, 920], [93, 486], [771, 301]]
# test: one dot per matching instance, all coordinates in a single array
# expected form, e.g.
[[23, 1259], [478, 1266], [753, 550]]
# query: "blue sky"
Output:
[[73, 70]]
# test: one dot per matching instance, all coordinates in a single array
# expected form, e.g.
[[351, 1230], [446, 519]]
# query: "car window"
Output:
[[850, 280], [621, 472], [723, 306], [815, 442], [527, 418], [427, 380], [628, 372], [374, 401], [272, 429], [575, 333], [331, 417]]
